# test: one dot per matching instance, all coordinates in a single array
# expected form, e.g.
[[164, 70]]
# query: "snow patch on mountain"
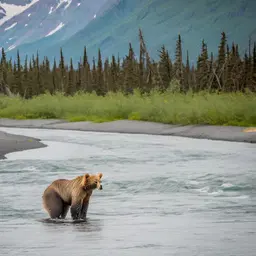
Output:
[[45, 19], [68, 4], [12, 26], [60, 3], [12, 10], [60, 26], [51, 10], [11, 47]]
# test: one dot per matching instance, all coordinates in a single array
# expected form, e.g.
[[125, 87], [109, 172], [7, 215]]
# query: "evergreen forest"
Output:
[[230, 71]]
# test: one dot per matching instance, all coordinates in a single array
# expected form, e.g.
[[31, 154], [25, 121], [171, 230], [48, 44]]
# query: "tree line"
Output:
[[228, 72]]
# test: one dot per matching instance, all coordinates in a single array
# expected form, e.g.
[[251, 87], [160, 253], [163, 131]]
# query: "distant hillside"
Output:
[[11, 8], [161, 21], [38, 19]]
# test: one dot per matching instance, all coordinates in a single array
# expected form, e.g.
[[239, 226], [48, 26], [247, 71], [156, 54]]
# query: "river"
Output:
[[161, 195]]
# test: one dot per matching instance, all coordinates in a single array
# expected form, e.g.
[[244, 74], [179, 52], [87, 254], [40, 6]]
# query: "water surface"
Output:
[[161, 196]]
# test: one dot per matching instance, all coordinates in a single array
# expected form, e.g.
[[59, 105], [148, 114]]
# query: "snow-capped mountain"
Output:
[[27, 21], [47, 25], [2, 13], [10, 8]]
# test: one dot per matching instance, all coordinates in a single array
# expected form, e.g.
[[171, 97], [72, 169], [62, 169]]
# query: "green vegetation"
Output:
[[172, 108], [221, 91]]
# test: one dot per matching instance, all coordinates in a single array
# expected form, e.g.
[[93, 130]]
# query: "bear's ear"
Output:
[[100, 175], [84, 180]]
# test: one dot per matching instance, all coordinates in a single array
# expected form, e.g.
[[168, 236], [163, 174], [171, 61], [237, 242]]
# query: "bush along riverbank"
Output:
[[217, 90], [173, 108]]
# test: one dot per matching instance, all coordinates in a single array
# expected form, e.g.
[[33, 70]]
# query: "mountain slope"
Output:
[[45, 17], [10, 8], [161, 21]]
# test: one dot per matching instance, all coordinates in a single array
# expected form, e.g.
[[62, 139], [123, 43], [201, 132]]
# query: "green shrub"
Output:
[[171, 107]]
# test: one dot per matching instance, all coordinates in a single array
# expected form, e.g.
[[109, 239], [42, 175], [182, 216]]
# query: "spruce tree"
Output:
[[129, 79], [178, 65], [62, 71], [254, 68], [79, 77], [164, 69], [19, 76], [203, 68], [100, 90], [39, 85], [4, 67], [113, 77], [187, 80], [106, 72], [85, 58], [70, 90], [141, 62], [25, 79], [94, 76], [55, 84]]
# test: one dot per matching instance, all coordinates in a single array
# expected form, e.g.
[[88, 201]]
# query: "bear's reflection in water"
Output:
[[88, 225]]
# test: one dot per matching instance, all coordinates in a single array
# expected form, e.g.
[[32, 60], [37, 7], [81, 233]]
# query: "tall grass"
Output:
[[173, 108]]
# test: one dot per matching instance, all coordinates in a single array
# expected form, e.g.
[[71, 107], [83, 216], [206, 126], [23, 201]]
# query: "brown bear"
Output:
[[62, 193]]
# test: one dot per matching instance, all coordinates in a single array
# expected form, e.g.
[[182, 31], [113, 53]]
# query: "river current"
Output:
[[161, 195]]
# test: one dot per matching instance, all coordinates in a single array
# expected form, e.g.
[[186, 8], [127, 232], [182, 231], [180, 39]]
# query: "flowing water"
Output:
[[161, 196]]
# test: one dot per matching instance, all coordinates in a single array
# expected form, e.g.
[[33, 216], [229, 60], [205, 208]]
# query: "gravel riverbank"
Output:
[[11, 143]]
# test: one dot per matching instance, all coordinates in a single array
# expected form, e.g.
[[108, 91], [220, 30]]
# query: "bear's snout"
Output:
[[100, 188]]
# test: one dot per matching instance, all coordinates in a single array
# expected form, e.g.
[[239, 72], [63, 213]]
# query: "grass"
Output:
[[238, 109]]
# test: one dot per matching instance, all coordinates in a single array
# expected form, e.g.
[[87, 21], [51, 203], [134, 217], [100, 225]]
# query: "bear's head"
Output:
[[90, 182]]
